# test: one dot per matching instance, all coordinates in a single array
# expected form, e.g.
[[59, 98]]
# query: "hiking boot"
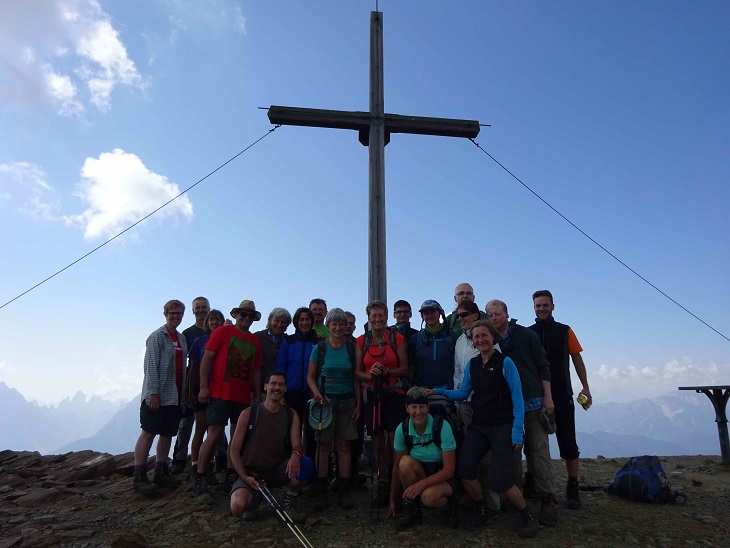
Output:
[[142, 484], [528, 486], [201, 487], [573, 496], [210, 477], [549, 511], [410, 516], [344, 495], [162, 478], [220, 464], [382, 496], [253, 512], [450, 513], [528, 526], [319, 492], [290, 507], [478, 516], [178, 467], [228, 482]]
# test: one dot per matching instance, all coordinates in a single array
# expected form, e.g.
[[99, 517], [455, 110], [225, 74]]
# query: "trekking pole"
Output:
[[318, 434], [284, 516], [375, 465]]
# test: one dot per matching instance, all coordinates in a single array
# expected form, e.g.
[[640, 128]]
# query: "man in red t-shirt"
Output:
[[235, 355]]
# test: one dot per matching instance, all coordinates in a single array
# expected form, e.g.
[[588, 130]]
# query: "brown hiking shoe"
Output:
[[142, 484], [549, 511]]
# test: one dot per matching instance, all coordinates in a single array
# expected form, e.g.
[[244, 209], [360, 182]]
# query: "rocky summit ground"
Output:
[[85, 499]]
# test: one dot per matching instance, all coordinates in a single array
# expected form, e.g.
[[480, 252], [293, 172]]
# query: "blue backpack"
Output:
[[642, 479]]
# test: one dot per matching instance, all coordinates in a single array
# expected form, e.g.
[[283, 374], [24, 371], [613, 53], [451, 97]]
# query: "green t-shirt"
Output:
[[322, 331], [420, 451], [337, 370]]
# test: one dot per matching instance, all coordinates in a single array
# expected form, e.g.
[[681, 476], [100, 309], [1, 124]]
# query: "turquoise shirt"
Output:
[[420, 451], [337, 370]]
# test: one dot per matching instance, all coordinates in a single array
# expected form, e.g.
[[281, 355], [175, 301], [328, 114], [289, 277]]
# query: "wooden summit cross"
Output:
[[374, 130]]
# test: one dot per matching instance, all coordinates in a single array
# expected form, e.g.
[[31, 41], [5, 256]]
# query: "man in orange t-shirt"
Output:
[[562, 346], [236, 357]]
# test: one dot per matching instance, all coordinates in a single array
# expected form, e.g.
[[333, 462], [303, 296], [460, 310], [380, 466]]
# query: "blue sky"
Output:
[[614, 112]]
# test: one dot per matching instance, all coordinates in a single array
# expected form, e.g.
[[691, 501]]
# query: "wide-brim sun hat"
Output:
[[247, 306], [320, 414]]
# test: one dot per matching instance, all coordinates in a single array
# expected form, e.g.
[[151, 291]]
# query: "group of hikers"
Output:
[[448, 408]]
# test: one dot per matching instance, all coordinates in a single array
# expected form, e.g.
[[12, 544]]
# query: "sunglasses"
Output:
[[462, 315], [249, 315]]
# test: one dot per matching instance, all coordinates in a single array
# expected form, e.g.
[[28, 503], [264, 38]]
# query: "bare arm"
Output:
[[395, 484], [402, 369], [547, 397], [205, 365], [580, 369], [294, 465], [312, 381], [235, 450], [360, 365]]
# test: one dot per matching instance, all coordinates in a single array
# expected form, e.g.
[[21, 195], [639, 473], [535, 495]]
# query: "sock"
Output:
[[159, 465], [194, 464], [572, 480], [138, 468]]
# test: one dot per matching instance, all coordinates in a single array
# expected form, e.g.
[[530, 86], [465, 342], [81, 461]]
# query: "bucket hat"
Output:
[[320, 414]]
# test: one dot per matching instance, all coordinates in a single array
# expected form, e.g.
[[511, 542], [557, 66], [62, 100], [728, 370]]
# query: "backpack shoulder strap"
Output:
[[253, 419], [406, 435], [351, 352], [438, 423], [321, 351], [367, 339], [393, 338]]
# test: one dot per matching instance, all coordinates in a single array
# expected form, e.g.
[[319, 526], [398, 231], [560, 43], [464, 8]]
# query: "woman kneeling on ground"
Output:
[[423, 467], [497, 424]]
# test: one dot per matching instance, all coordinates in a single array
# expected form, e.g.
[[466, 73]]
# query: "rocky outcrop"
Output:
[[85, 499]]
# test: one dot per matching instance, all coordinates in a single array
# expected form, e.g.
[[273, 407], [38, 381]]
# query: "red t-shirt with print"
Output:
[[236, 354]]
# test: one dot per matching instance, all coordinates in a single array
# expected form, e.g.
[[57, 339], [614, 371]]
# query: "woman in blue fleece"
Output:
[[497, 425]]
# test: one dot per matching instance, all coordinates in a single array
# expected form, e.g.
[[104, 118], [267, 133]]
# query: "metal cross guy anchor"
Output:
[[374, 129]]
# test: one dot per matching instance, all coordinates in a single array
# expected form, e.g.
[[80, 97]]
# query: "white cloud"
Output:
[[650, 381], [119, 190], [34, 194], [62, 89], [44, 42]]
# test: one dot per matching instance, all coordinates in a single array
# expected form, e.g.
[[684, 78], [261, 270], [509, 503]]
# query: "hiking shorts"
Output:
[[392, 410], [163, 422], [478, 441], [219, 412], [342, 426], [277, 477]]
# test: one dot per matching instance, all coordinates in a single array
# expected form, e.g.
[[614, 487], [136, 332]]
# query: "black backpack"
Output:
[[438, 423], [642, 479], [253, 420]]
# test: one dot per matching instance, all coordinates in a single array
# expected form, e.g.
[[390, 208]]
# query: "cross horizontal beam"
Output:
[[360, 122]]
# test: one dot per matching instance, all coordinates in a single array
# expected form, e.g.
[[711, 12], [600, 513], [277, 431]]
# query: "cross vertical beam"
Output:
[[374, 129], [377, 275]]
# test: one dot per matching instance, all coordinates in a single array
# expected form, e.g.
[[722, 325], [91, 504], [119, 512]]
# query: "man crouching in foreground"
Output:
[[267, 447]]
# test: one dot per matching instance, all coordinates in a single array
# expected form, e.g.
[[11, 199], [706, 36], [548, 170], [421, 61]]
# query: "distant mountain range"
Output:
[[29, 426], [676, 424]]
